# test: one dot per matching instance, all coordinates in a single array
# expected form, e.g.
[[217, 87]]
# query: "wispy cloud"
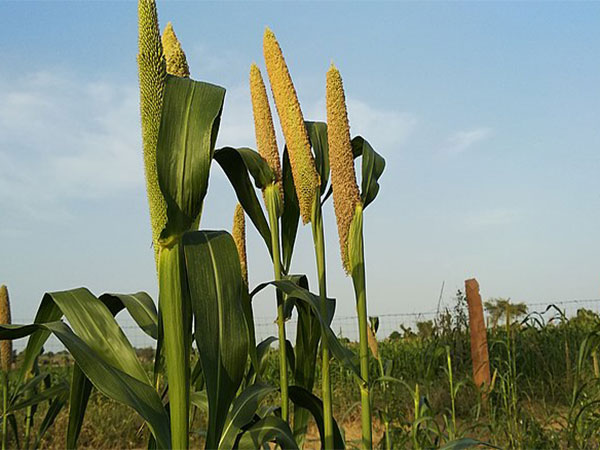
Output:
[[385, 129], [491, 217], [63, 138], [464, 140]]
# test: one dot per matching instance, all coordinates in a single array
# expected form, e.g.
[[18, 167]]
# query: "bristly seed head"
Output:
[[176, 61], [346, 195], [152, 75], [304, 172], [239, 237], [263, 125], [6, 352]]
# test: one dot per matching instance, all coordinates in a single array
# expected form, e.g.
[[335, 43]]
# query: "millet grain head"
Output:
[[175, 57], [6, 351], [239, 236], [346, 195], [304, 172], [263, 125], [152, 75]]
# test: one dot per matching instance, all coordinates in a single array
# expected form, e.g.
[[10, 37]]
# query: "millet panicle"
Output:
[[304, 172], [346, 196], [239, 237]]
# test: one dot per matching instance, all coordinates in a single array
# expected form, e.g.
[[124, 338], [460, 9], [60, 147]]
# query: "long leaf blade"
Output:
[[216, 289], [188, 130]]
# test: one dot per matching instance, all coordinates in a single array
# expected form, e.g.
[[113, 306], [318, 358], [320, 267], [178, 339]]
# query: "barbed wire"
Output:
[[344, 326]]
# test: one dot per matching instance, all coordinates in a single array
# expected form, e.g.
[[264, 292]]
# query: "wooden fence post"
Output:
[[479, 346]]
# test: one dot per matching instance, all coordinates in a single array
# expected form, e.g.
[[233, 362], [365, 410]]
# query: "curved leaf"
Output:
[[81, 388], [189, 124], [46, 394], [269, 429], [234, 165], [262, 351], [216, 290], [109, 380], [306, 400], [243, 410], [140, 306], [56, 405], [308, 335], [317, 133], [257, 166], [200, 400], [249, 316], [461, 444], [291, 213], [93, 322], [341, 353], [373, 165]]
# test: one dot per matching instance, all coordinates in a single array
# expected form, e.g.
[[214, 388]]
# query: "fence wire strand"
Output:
[[345, 326]]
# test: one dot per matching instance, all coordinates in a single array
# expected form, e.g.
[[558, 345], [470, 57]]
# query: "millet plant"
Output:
[[205, 302]]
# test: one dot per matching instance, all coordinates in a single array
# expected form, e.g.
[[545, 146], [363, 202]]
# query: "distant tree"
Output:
[[408, 333], [395, 336], [425, 329], [499, 308]]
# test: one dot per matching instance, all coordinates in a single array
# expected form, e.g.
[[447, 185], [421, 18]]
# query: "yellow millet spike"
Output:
[[152, 75], [176, 61], [263, 125], [343, 178], [239, 237], [304, 172], [6, 351]]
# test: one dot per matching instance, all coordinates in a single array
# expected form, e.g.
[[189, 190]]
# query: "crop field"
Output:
[[543, 394], [477, 373]]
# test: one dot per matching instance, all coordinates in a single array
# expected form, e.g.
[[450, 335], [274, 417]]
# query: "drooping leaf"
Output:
[[93, 323], [317, 133], [142, 309], [257, 167], [216, 289], [291, 213], [97, 329], [200, 400], [291, 356], [39, 397], [56, 405], [269, 429], [243, 410], [80, 391], [342, 354], [461, 444], [308, 335], [188, 131], [140, 306], [108, 379], [373, 165], [249, 316], [310, 402], [262, 351], [233, 162]]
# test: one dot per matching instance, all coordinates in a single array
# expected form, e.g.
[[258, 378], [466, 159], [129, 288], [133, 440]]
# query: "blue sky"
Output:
[[487, 114]]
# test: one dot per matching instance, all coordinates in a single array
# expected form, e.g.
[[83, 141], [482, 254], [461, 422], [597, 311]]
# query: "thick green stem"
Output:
[[28, 421], [272, 202], [360, 290], [386, 423], [4, 409], [176, 326], [319, 241]]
